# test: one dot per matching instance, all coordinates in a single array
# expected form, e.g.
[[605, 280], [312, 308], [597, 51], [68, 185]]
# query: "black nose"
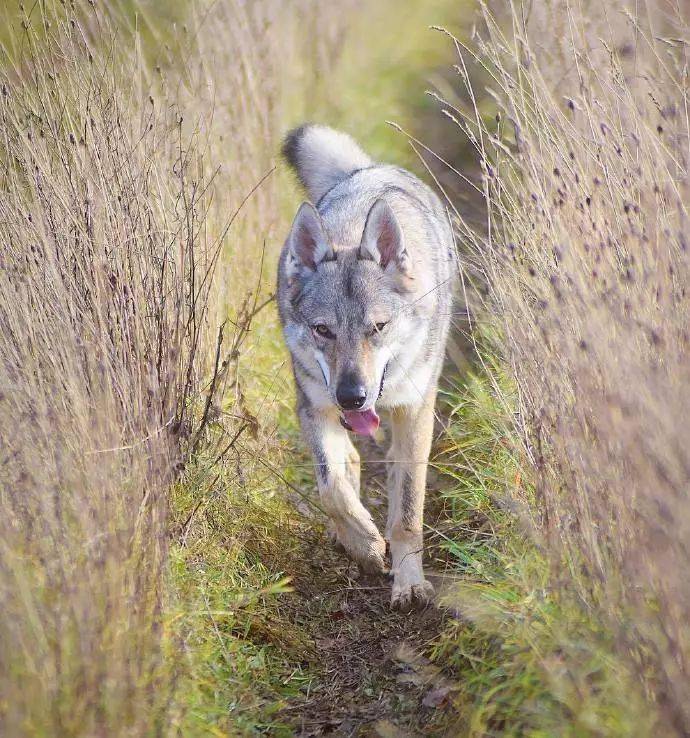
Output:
[[350, 394]]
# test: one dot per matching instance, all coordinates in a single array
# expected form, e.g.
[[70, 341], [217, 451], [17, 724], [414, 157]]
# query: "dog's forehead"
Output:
[[349, 288]]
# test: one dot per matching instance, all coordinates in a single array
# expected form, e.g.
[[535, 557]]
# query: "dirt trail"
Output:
[[375, 678]]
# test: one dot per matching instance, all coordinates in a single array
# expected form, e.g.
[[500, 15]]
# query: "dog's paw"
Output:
[[407, 596], [370, 555], [374, 559], [362, 542], [368, 551]]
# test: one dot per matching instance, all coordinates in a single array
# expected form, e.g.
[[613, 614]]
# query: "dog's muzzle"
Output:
[[363, 422]]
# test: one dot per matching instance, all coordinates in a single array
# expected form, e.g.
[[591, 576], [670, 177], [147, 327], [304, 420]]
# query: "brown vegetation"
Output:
[[585, 174], [104, 286]]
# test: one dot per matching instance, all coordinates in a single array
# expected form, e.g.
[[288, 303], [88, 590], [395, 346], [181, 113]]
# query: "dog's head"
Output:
[[352, 307]]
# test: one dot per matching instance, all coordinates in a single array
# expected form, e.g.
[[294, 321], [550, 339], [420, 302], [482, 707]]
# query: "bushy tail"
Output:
[[321, 157]]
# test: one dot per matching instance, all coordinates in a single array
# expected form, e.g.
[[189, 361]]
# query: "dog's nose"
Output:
[[351, 395]]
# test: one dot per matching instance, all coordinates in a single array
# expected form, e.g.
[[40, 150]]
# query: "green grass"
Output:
[[241, 660], [529, 660]]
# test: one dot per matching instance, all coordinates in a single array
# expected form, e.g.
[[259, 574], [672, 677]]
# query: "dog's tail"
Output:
[[322, 157]]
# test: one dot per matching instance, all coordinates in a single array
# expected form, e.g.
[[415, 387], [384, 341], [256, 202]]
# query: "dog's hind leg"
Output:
[[337, 472], [412, 433]]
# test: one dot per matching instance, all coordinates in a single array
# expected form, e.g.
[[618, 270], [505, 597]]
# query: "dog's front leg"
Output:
[[337, 472], [412, 433]]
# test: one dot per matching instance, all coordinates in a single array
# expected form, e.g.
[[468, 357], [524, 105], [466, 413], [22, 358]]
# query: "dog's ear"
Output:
[[307, 243], [382, 240]]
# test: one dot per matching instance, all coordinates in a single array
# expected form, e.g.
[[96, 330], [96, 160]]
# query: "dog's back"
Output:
[[343, 181]]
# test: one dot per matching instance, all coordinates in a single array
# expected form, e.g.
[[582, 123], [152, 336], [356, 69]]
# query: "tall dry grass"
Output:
[[104, 283], [585, 176]]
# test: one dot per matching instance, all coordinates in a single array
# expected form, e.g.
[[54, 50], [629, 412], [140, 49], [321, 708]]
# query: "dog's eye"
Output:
[[379, 327], [322, 330]]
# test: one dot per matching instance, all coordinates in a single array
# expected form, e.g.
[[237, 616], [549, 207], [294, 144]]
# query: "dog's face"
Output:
[[351, 307]]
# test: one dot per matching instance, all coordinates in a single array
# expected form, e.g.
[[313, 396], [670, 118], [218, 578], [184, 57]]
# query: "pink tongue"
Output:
[[364, 423]]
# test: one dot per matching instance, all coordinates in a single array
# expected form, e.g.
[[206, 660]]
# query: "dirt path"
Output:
[[374, 674]]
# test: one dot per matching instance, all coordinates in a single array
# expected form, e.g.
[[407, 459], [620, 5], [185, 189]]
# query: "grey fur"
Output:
[[321, 157], [378, 248]]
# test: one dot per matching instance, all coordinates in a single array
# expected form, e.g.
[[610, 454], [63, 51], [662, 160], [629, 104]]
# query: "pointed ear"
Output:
[[307, 243], [382, 240]]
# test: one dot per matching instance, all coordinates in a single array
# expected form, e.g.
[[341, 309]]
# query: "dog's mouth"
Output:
[[363, 422]]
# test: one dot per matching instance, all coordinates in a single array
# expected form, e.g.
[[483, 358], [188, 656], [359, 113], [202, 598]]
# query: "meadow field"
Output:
[[165, 567]]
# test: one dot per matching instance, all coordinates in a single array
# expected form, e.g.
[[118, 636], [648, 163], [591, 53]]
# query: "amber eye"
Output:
[[322, 330]]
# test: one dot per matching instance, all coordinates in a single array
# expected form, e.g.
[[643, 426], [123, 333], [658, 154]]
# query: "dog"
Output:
[[365, 284]]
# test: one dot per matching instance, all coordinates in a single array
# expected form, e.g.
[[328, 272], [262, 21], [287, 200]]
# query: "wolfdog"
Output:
[[364, 294]]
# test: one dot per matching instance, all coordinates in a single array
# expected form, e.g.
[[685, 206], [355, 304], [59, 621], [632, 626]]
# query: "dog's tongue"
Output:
[[365, 423]]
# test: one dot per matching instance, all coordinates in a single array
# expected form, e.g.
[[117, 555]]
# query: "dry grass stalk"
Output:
[[103, 295], [585, 174]]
